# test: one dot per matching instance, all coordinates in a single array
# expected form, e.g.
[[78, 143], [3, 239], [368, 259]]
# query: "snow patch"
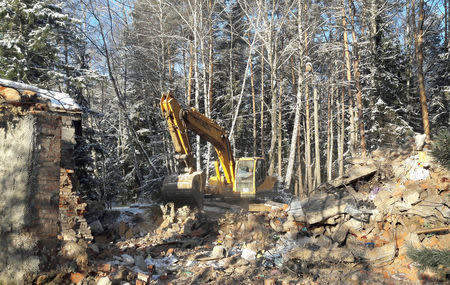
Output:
[[57, 100]]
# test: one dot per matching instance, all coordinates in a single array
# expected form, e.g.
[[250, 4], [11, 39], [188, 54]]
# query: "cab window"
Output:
[[259, 171], [245, 170]]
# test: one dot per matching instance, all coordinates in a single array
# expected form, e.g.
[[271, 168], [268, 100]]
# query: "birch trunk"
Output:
[[210, 77], [252, 84], [341, 134], [308, 164], [197, 82], [231, 79], [280, 134], [191, 64], [316, 137], [272, 52], [262, 102], [348, 72], [206, 96], [273, 117], [357, 76], [295, 131], [418, 35], [330, 138], [301, 186]]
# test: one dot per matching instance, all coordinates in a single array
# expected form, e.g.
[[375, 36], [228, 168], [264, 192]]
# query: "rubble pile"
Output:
[[72, 222], [355, 229]]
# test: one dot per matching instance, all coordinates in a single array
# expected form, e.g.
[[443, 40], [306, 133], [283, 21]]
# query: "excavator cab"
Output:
[[251, 179]]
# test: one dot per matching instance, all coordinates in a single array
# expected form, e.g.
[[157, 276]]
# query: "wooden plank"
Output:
[[259, 208], [434, 230]]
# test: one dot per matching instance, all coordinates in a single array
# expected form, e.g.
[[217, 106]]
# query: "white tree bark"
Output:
[[316, 137], [295, 131]]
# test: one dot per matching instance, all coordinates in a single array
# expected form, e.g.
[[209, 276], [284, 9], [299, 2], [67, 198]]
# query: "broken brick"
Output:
[[77, 277]]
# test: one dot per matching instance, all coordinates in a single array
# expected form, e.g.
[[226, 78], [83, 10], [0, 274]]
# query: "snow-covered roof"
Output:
[[57, 101]]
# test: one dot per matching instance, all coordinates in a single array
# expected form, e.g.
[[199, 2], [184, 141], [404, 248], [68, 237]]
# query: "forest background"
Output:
[[303, 83]]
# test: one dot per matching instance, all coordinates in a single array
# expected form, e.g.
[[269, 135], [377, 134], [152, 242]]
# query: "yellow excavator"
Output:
[[245, 179]]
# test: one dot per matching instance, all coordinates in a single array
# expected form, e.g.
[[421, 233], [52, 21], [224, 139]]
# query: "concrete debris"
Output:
[[420, 141], [127, 259], [248, 254], [295, 209], [382, 255], [340, 234], [219, 251], [354, 230], [319, 207], [355, 173], [268, 206], [104, 281]]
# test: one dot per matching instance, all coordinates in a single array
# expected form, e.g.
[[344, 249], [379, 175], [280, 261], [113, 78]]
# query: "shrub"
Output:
[[441, 148], [436, 260]]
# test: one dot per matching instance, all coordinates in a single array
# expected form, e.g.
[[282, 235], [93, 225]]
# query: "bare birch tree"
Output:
[[418, 36]]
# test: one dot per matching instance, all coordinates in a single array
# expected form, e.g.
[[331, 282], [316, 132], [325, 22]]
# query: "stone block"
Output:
[[381, 197], [411, 196], [318, 208], [382, 255], [143, 277], [340, 234]]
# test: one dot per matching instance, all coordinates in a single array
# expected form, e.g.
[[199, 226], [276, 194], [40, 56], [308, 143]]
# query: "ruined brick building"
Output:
[[39, 208]]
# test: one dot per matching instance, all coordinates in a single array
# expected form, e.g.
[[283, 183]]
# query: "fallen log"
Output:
[[434, 230], [10, 94]]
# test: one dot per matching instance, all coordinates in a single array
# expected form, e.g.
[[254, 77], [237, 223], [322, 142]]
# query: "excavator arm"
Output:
[[216, 135], [171, 111], [180, 120]]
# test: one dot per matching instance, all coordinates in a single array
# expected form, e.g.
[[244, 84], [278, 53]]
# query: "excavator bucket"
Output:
[[185, 189]]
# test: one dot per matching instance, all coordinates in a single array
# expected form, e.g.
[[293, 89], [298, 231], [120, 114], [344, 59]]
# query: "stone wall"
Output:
[[17, 242], [38, 203]]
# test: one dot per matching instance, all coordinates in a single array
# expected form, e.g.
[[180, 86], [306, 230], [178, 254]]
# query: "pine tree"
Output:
[[29, 40], [382, 72]]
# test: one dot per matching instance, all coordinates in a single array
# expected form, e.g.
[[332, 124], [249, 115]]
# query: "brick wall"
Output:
[[48, 168]]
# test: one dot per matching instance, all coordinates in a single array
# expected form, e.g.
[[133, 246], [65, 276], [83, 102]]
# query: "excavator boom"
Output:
[[216, 135]]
